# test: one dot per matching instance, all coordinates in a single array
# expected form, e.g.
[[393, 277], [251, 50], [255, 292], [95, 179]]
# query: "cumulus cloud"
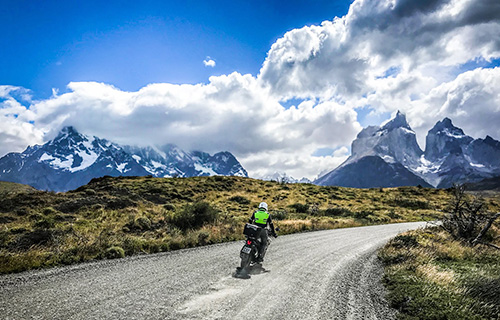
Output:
[[348, 56], [382, 56], [232, 112], [16, 121], [472, 101], [208, 62]]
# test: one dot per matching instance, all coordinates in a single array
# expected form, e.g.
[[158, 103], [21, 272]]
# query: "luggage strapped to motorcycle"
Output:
[[252, 231]]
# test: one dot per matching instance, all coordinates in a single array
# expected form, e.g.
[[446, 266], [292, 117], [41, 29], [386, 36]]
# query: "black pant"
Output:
[[263, 243]]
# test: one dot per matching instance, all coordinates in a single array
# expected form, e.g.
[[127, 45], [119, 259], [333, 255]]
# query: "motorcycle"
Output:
[[249, 254]]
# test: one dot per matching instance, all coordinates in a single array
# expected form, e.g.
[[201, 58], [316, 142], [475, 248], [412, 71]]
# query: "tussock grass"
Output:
[[431, 275], [147, 215]]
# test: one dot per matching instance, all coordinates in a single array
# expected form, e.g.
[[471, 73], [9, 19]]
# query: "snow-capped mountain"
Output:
[[282, 177], [73, 159], [452, 156], [380, 158], [389, 156]]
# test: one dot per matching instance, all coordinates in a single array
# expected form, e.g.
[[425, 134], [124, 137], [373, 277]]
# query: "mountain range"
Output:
[[72, 159], [389, 156], [382, 156]]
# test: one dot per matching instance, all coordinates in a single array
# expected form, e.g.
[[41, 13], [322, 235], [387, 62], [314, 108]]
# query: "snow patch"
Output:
[[121, 167], [452, 135], [88, 159], [388, 159], [203, 169], [46, 157], [136, 158], [157, 165], [477, 165], [408, 130]]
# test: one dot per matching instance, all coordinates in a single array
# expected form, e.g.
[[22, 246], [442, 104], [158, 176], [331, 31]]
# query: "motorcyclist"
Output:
[[262, 218]]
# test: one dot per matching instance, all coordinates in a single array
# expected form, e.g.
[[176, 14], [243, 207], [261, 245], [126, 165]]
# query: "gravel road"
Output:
[[330, 274]]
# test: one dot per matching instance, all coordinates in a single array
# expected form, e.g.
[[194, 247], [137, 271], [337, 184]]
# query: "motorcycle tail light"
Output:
[[249, 242]]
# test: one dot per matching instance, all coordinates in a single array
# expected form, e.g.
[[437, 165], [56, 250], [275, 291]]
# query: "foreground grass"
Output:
[[429, 275], [116, 217]]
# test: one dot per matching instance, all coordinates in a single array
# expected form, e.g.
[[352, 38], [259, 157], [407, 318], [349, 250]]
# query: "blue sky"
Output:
[[287, 86], [129, 44]]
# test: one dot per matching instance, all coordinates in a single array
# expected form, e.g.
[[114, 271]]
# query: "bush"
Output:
[[410, 203], [45, 223], [37, 237], [203, 238], [240, 200], [336, 212], [23, 211], [279, 215], [48, 211], [362, 214], [299, 207], [142, 223], [90, 192], [404, 241], [169, 207], [194, 216], [115, 252]]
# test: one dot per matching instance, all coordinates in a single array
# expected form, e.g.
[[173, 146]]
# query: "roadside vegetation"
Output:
[[450, 271], [116, 217]]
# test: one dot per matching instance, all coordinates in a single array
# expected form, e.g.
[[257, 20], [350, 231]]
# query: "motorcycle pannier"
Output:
[[252, 230]]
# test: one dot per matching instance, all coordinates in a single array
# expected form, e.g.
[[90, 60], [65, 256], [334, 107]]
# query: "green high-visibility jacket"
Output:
[[262, 218]]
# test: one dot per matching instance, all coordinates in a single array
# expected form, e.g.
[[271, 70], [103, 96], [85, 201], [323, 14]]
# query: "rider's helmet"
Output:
[[263, 205]]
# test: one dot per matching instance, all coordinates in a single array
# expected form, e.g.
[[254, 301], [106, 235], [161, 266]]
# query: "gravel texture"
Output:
[[330, 274]]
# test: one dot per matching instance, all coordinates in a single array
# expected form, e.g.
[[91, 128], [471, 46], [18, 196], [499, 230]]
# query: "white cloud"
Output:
[[383, 55], [232, 112], [208, 62], [16, 128], [472, 101], [346, 57]]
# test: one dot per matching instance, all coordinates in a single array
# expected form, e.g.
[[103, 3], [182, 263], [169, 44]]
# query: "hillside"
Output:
[[114, 217], [9, 188]]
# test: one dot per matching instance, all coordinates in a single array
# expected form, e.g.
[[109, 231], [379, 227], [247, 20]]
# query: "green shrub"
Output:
[[203, 238], [115, 252], [410, 203], [279, 215], [362, 214], [36, 237], [240, 200], [45, 223], [4, 237], [300, 207], [23, 211], [90, 192], [336, 212], [48, 211], [194, 216], [404, 241], [142, 223], [169, 207]]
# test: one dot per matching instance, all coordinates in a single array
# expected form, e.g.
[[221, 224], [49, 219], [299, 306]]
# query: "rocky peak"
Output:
[[444, 139], [399, 121], [446, 127], [393, 142]]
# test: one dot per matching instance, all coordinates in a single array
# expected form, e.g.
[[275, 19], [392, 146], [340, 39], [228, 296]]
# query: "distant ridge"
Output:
[[72, 159]]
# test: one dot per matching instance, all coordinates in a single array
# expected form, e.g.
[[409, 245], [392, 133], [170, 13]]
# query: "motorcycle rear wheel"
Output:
[[245, 261]]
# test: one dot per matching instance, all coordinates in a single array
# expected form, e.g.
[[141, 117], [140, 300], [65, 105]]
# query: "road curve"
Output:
[[331, 274]]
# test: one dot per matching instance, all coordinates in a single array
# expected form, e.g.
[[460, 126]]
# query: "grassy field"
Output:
[[431, 275], [116, 217]]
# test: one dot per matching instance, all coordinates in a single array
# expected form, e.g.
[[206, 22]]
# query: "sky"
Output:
[[284, 86]]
